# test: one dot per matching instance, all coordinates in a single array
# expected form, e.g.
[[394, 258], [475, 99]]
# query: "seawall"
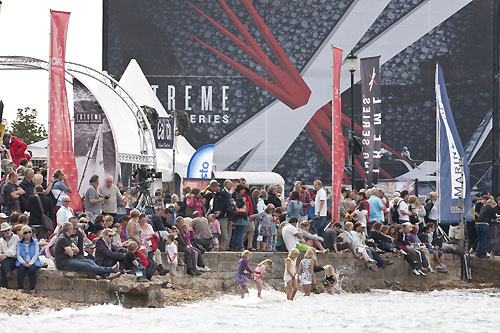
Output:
[[353, 274]]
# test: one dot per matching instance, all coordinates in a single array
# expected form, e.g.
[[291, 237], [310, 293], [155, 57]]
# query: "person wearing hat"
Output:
[[360, 241], [410, 255], [89, 251], [3, 218], [487, 215], [8, 253]]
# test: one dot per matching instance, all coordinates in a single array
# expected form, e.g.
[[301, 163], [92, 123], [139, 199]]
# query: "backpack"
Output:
[[2, 194], [394, 212], [52, 197]]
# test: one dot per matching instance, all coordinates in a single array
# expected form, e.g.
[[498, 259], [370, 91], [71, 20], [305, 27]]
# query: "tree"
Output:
[[26, 127]]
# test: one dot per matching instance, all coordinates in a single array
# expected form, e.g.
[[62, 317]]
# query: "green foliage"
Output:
[[26, 127]]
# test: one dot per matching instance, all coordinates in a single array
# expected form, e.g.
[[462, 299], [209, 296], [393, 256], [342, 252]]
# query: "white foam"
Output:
[[377, 311]]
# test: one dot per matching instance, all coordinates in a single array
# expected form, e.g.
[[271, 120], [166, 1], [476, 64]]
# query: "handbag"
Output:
[[46, 221], [189, 210], [240, 211]]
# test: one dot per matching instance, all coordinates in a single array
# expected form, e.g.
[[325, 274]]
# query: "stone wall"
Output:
[[353, 274], [85, 288], [484, 269]]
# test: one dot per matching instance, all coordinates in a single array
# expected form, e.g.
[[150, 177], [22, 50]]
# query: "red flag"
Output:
[[61, 155], [338, 157]]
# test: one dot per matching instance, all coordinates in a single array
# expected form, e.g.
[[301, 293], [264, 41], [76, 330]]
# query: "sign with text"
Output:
[[164, 133], [371, 118], [61, 154]]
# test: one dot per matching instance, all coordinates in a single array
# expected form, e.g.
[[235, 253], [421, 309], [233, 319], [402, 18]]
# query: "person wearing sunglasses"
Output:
[[28, 252]]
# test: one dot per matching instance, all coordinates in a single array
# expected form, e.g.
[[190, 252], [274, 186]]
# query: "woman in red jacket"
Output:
[[16, 148]]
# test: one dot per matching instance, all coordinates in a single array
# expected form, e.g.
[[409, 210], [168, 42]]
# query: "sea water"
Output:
[[376, 311]]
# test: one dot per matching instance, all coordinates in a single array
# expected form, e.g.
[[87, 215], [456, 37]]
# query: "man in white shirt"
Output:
[[403, 211], [320, 209], [65, 212], [431, 208], [291, 236]]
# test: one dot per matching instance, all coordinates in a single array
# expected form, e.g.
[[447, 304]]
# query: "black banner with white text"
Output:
[[371, 118]]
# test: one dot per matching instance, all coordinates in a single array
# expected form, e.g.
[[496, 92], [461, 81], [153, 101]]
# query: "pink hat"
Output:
[[270, 206]]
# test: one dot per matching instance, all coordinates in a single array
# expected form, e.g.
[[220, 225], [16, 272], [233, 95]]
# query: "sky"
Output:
[[24, 31]]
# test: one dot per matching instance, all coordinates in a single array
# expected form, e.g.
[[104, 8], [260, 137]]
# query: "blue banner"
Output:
[[451, 150], [164, 133], [200, 165]]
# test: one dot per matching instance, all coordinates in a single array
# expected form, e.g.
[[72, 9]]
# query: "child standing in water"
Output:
[[243, 272], [290, 272], [306, 272], [330, 279], [259, 273]]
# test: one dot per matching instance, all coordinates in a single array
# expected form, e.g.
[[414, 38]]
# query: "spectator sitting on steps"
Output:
[[67, 257]]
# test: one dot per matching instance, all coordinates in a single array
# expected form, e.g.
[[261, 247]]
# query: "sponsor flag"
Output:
[[338, 152], [61, 154], [371, 118], [200, 165], [450, 150]]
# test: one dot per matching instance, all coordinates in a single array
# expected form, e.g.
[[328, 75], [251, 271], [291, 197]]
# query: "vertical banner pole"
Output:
[[338, 152], [50, 74], [438, 154]]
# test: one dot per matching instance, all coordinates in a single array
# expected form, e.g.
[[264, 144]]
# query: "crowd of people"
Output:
[[111, 237]]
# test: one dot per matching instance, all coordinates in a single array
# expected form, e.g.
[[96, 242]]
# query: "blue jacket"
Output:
[[33, 249]]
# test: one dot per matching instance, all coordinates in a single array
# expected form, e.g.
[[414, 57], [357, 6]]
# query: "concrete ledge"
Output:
[[353, 274], [85, 288]]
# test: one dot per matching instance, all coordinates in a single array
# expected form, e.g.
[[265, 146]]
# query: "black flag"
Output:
[[371, 118], [1, 110]]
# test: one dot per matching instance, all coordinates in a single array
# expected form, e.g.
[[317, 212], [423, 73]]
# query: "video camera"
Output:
[[143, 175]]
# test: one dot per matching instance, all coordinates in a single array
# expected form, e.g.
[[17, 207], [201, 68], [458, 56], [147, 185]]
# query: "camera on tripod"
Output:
[[143, 175]]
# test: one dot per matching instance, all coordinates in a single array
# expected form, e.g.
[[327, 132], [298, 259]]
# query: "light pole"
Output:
[[352, 61]]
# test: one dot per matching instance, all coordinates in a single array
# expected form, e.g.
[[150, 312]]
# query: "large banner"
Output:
[[450, 188], [338, 152], [371, 114], [61, 155], [245, 92], [95, 151]]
